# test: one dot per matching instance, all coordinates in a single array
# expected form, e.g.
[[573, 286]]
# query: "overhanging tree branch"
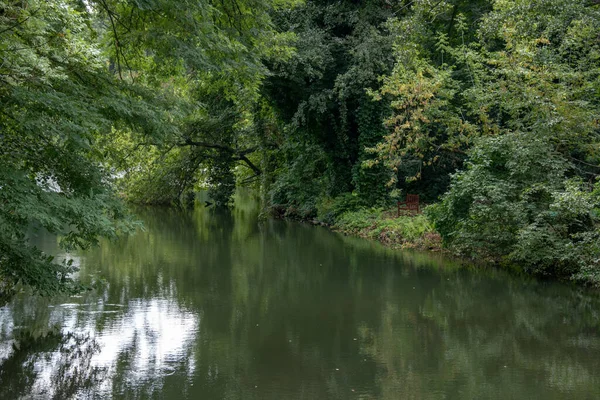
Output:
[[237, 155], [249, 163]]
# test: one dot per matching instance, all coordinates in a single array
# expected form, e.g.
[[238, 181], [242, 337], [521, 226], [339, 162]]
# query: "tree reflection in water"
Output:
[[50, 365]]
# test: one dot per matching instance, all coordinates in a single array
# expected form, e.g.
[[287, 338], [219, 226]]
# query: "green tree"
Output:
[[436, 62], [56, 98], [319, 95], [212, 56], [93, 90], [526, 196]]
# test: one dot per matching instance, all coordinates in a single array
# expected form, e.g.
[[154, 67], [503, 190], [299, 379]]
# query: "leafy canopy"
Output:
[[82, 85]]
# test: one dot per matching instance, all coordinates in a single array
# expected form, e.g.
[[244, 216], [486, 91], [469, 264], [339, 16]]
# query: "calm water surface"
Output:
[[216, 305]]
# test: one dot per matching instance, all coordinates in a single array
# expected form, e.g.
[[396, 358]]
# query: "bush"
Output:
[[355, 221], [330, 209], [515, 204], [298, 186]]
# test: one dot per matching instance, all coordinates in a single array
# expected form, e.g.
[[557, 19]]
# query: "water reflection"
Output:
[[49, 366], [216, 305]]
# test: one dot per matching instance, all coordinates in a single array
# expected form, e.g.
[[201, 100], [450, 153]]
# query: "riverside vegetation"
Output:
[[332, 110]]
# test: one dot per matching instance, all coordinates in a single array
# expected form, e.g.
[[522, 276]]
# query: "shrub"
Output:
[[514, 203], [330, 209]]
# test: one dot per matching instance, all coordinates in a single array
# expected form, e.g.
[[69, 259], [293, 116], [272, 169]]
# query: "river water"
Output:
[[207, 304]]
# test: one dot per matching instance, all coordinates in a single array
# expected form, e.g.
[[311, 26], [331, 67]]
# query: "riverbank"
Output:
[[407, 231], [401, 232], [412, 231]]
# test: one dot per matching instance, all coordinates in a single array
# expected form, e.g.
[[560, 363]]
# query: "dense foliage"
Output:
[[56, 98], [332, 109], [329, 121], [96, 90], [527, 193]]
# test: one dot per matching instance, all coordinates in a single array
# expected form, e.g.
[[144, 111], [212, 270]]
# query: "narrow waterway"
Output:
[[207, 304]]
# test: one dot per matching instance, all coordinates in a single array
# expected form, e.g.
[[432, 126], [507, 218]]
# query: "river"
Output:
[[208, 304]]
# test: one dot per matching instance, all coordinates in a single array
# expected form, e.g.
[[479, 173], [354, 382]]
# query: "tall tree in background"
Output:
[[320, 95], [212, 55], [428, 129]]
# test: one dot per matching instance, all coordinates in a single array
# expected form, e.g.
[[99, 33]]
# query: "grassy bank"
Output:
[[347, 215], [405, 231], [344, 214]]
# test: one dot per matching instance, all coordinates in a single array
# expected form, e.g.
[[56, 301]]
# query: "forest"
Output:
[[331, 110]]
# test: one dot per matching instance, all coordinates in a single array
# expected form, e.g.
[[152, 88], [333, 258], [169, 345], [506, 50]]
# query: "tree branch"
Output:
[[190, 142], [237, 155], [32, 14], [249, 163], [116, 41]]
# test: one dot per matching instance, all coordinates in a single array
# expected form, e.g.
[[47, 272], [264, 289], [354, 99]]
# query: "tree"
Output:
[[319, 96], [85, 82], [436, 62], [212, 56], [529, 193], [56, 98]]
